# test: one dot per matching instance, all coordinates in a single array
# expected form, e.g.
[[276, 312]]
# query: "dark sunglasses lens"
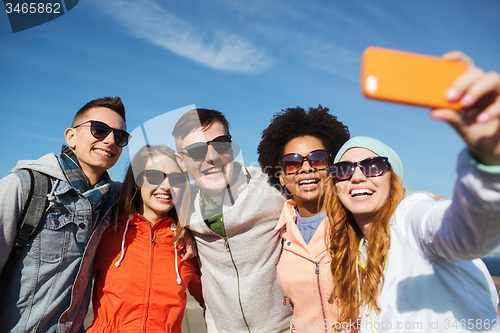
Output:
[[176, 179], [342, 170], [99, 130], [291, 163], [121, 137], [197, 151], [373, 167], [319, 159], [222, 138], [155, 177], [221, 147]]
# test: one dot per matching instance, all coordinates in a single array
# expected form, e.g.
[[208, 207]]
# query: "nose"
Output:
[[358, 176], [109, 139], [307, 167], [165, 185], [211, 154]]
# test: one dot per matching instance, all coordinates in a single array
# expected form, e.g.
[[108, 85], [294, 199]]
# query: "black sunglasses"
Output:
[[156, 177], [101, 130], [319, 159], [198, 150], [370, 167]]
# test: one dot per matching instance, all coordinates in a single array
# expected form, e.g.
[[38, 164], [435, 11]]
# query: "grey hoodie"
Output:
[[239, 279]]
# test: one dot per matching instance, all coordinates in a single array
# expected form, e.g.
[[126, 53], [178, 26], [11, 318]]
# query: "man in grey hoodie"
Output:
[[235, 211], [50, 286]]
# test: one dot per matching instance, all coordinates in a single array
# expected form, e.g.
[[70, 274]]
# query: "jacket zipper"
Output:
[[153, 243], [320, 295], [228, 249]]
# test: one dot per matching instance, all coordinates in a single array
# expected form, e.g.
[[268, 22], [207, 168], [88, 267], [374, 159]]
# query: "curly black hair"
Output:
[[296, 122]]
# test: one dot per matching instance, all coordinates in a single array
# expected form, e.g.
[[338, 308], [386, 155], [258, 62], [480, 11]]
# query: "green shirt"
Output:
[[212, 213]]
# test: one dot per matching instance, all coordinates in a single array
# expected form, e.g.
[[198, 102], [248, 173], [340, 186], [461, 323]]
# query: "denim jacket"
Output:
[[51, 284]]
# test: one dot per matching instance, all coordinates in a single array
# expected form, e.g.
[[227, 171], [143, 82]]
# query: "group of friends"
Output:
[[323, 237]]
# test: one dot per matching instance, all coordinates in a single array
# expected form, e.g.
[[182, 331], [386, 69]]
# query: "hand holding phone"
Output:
[[409, 78]]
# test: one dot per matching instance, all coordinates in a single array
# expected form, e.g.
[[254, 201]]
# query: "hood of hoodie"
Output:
[[47, 164]]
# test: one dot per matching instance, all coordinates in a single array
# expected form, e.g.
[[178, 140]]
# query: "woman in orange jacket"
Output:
[[296, 151], [140, 281]]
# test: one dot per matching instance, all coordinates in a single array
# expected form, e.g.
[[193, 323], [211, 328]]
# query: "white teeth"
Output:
[[163, 196], [103, 152], [308, 181], [361, 192], [212, 171]]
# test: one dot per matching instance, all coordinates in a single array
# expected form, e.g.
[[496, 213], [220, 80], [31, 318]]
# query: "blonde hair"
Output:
[[355, 286]]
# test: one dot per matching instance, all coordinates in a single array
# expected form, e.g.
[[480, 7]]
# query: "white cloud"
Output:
[[333, 59], [217, 49]]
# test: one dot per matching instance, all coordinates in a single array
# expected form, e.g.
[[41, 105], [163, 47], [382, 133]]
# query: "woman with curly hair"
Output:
[[296, 151], [410, 264]]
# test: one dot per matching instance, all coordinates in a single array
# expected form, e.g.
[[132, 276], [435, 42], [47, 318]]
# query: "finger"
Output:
[[490, 112], [188, 254], [460, 121], [457, 55], [485, 84], [458, 90], [450, 116], [180, 243], [439, 198]]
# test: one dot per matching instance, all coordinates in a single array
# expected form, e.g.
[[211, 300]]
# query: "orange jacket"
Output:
[[140, 291]]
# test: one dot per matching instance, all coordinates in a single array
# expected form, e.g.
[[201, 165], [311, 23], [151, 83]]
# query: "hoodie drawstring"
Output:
[[117, 264], [177, 267], [50, 196]]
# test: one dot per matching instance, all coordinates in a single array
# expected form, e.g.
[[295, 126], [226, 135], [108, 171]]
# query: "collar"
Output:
[[288, 213]]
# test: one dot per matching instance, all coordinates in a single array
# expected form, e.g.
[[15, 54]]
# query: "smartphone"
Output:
[[409, 78]]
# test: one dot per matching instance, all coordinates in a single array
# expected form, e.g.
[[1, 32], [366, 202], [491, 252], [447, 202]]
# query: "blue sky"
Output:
[[248, 59]]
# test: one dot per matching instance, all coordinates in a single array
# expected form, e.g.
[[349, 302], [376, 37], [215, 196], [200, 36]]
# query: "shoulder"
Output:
[[417, 215], [288, 215], [256, 172], [410, 207], [117, 226], [47, 164], [260, 179], [16, 184], [115, 186]]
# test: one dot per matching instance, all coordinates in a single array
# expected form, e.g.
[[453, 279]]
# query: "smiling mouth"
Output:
[[364, 192], [102, 152], [163, 196], [213, 171], [308, 182]]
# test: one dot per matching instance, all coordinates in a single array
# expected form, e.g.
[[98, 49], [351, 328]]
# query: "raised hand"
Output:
[[479, 121]]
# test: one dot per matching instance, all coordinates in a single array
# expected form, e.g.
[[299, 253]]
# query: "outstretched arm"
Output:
[[468, 228]]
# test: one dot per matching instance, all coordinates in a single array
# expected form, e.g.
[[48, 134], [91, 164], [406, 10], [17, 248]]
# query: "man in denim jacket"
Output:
[[51, 284]]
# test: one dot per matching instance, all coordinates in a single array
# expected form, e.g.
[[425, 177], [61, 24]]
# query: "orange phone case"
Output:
[[409, 78]]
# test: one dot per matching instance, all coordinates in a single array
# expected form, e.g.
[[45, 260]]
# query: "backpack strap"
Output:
[[33, 215], [30, 222]]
